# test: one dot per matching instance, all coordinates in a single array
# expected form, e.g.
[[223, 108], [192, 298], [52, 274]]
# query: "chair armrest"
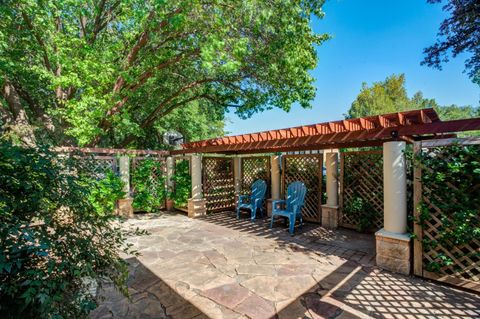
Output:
[[277, 202]]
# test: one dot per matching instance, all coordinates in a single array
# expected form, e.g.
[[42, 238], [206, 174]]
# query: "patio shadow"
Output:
[[150, 298]]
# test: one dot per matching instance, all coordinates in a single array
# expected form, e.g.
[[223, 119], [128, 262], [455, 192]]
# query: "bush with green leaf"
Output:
[[183, 183], [149, 185], [106, 192], [54, 242]]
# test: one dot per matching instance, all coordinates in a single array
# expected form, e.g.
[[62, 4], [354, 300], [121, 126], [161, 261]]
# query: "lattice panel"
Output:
[[361, 193], [158, 173], [218, 183], [254, 168], [464, 268], [307, 169], [100, 165]]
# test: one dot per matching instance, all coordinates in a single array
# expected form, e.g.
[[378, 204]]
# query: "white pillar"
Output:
[[124, 166], [196, 162], [331, 164], [394, 187], [170, 172], [275, 176], [237, 174]]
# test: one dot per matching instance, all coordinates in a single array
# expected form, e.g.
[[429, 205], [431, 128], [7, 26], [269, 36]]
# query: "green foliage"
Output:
[[458, 34], [105, 193], [54, 243], [390, 96], [362, 211], [119, 73], [183, 183], [453, 174], [149, 185]]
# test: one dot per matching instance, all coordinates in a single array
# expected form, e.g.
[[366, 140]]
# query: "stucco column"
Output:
[[197, 204], [393, 242], [331, 165], [330, 210], [169, 182], [237, 175], [394, 187], [125, 207], [275, 181]]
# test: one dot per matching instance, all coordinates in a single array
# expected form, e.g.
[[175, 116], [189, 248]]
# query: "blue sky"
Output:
[[372, 39]]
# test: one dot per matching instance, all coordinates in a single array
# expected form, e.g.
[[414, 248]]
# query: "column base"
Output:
[[169, 205], [393, 251], [125, 208], [197, 207], [330, 216]]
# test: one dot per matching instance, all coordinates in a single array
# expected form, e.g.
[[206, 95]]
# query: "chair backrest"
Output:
[[259, 189], [295, 194]]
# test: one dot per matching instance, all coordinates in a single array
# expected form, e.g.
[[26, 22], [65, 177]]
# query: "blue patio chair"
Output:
[[292, 205], [259, 189]]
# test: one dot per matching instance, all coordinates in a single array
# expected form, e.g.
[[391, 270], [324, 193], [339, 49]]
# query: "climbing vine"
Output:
[[149, 185], [183, 182], [449, 209]]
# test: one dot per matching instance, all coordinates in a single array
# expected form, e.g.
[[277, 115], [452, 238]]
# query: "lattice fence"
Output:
[[218, 183], [254, 168], [447, 214], [307, 169], [99, 165], [361, 190]]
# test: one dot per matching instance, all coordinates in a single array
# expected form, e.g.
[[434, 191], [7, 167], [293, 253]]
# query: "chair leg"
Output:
[[301, 222], [238, 212], [271, 222], [291, 226], [254, 213]]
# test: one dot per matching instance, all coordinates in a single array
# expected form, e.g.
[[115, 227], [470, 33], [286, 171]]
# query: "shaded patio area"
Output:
[[220, 267]]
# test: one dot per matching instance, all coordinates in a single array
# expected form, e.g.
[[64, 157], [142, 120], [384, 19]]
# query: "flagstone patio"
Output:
[[221, 267]]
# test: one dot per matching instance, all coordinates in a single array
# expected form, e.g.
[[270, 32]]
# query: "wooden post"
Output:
[[417, 198]]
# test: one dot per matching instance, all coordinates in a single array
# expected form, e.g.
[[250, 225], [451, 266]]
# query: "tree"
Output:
[[390, 96], [459, 33], [111, 72]]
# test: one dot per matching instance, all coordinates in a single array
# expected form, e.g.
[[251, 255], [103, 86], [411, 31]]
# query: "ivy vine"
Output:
[[183, 182], [148, 179], [451, 200]]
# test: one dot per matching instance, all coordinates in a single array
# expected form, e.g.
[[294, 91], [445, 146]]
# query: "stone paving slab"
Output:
[[221, 267]]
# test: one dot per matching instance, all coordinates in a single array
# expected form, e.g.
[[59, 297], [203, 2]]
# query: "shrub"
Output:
[[54, 243], [105, 193]]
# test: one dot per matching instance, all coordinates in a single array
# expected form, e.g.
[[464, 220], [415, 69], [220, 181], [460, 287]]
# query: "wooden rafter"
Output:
[[364, 131]]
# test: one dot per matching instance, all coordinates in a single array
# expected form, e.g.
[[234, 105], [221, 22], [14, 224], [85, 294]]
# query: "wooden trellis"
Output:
[[435, 210], [254, 168], [218, 183], [361, 190], [99, 165], [307, 169]]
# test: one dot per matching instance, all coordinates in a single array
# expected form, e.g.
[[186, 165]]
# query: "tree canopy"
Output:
[[390, 96], [459, 33], [117, 72]]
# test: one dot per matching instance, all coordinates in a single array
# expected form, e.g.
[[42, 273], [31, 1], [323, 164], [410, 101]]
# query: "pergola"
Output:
[[359, 132], [392, 131]]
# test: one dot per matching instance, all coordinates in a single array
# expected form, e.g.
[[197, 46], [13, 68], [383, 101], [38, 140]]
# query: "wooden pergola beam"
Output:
[[347, 133]]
